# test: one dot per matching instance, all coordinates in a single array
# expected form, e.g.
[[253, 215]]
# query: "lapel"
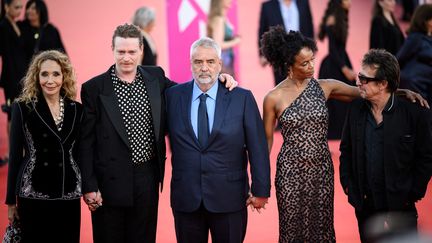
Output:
[[110, 102], [222, 101], [154, 93], [186, 101], [70, 113], [43, 112]]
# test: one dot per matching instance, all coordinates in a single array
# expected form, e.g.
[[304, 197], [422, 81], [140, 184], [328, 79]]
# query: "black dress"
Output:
[[385, 35], [331, 67], [14, 61], [40, 39]]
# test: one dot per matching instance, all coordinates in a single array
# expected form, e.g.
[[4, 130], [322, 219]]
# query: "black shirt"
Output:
[[136, 112]]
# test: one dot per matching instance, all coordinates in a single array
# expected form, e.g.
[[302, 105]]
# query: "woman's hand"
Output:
[[12, 213]]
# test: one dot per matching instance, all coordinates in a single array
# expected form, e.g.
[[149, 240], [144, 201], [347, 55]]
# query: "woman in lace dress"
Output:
[[44, 182]]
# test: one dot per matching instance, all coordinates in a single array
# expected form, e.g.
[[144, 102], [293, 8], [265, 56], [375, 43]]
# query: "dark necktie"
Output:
[[203, 127]]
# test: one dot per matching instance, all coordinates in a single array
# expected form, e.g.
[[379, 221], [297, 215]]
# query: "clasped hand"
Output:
[[256, 203], [93, 200]]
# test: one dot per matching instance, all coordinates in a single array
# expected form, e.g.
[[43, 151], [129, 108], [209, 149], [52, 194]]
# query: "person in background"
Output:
[[44, 181], [385, 31], [291, 15], [415, 56], [13, 57], [38, 33], [336, 64], [145, 18], [217, 134], [221, 30], [386, 152]]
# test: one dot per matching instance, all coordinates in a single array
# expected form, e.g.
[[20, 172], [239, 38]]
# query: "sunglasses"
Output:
[[364, 79]]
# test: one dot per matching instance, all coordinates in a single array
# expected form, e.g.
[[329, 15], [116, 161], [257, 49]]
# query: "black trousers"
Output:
[[224, 227], [135, 224], [49, 221], [375, 225]]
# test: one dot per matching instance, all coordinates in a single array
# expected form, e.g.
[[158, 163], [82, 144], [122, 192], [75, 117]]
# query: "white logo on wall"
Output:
[[187, 14]]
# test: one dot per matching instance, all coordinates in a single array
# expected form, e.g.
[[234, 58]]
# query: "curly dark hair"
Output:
[[386, 66], [340, 28], [281, 48]]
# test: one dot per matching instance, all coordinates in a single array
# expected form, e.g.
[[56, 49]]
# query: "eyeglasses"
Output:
[[364, 79]]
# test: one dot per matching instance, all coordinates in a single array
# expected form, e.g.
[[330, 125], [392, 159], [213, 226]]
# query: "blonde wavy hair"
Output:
[[31, 87]]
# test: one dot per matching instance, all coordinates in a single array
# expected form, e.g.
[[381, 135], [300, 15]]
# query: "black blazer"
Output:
[[216, 175], [105, 154], [271, 16], [407, 152], [149, 58], [47, 170]]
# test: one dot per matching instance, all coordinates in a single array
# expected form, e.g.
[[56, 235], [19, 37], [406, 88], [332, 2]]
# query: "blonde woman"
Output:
[[44, 182], [220, 29]]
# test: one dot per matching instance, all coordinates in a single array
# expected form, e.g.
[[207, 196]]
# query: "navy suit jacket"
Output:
[[216, 175], [271, 16]]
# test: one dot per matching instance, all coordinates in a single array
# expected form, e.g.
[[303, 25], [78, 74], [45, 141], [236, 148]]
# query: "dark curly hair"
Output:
[[281, 48], [386, 66], [340, 28]]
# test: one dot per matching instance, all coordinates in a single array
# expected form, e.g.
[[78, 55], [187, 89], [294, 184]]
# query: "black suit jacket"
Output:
[[407, 152], [271, 16], [105, 153]]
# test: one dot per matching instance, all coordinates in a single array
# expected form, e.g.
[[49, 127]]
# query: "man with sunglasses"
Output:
[[386, 152]]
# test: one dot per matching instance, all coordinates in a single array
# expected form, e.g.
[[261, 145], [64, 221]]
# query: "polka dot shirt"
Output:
[[136, 112]]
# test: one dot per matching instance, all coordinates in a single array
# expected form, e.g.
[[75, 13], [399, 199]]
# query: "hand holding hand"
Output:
[[256, 203], [93, 200]]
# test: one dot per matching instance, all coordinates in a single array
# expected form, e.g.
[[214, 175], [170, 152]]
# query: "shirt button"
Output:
[[60, 164], [45, 163], [44, 135]]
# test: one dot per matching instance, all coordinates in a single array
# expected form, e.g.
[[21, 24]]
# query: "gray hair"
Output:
[[207, 43], [143, 17]]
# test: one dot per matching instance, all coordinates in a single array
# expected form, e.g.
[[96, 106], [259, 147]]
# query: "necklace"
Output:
[[59, 119]]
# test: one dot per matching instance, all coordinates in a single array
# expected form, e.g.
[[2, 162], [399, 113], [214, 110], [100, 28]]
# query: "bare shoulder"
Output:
[[273, 95]]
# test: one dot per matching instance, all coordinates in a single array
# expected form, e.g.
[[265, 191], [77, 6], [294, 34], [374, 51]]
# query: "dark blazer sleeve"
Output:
[[257, 149], [87, 141], [16, 144], [409, 49], [375, 38], [423, 161], [346, 152]]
